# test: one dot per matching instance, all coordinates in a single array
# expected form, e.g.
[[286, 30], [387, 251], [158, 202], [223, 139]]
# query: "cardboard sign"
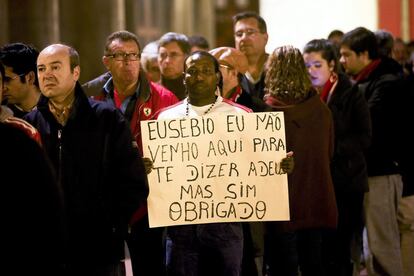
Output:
[[217, 168]]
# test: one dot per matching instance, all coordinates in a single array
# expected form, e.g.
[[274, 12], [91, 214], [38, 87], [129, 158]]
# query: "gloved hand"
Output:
[[147, 164], [288, 163]]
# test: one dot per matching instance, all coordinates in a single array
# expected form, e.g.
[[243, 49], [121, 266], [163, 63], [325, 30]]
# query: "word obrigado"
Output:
[[188, 211]]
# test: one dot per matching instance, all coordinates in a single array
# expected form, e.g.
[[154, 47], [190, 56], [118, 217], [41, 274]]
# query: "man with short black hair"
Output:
[[21, 88], [382, 87], [198, 43], [335, 36]]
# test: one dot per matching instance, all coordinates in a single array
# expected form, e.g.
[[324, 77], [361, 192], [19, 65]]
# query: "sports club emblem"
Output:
[[147, 111]]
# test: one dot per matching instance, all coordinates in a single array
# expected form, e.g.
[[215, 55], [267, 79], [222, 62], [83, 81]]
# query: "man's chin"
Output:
[[47, 92], [245, 48], [129, 79], [200, 90]]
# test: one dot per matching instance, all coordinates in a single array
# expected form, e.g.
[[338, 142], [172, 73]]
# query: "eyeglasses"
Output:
[[125, 56], [248, 32], [9, 79], [171, 55]]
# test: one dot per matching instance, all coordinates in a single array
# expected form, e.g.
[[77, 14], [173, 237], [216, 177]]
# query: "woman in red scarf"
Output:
[[352, 136]]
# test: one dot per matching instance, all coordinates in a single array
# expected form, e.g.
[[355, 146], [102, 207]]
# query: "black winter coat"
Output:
[[384, 91], [102, 176], [352, 137]]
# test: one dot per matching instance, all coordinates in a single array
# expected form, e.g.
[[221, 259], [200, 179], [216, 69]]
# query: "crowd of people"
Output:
[[83, 177]]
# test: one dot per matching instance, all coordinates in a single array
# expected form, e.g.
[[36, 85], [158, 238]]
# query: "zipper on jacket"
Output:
[[59, 136]]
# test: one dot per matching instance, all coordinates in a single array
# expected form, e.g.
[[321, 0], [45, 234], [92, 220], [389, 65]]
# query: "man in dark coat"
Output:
[[382, 86], [101, 173]]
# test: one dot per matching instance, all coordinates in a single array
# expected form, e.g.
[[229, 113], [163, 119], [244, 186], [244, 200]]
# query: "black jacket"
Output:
[[102, 176], [31, 206], [352, 137], [384, 89], [255, 93]]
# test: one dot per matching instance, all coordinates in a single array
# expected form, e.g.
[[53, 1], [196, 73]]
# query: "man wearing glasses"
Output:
[[125, 84], [250, 35], [126, 87], [21, 88]]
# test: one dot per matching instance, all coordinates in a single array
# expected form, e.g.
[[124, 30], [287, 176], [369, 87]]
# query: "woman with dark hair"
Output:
[[352, 137], [297, 243]]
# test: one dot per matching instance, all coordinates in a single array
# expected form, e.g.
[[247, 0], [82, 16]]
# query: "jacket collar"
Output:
[[80, 106], [301, 110], [142, 92]]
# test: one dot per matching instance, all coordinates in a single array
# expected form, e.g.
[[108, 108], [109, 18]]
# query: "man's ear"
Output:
[[76, 73], [105, 61], [266, 37], [31, 77], [364, 56]]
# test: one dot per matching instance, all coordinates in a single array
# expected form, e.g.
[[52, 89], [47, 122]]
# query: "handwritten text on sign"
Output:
[[218, 168]]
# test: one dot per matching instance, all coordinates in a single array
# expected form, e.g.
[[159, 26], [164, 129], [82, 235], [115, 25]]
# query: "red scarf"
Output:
[[367, 70], [328, 87], [118, 99], [236, 94]]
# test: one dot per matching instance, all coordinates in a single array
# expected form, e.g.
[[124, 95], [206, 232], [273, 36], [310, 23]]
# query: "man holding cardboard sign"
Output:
[[206, 173]]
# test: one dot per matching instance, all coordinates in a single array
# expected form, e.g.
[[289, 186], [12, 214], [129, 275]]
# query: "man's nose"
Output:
[[47, 71], [199, 76]]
